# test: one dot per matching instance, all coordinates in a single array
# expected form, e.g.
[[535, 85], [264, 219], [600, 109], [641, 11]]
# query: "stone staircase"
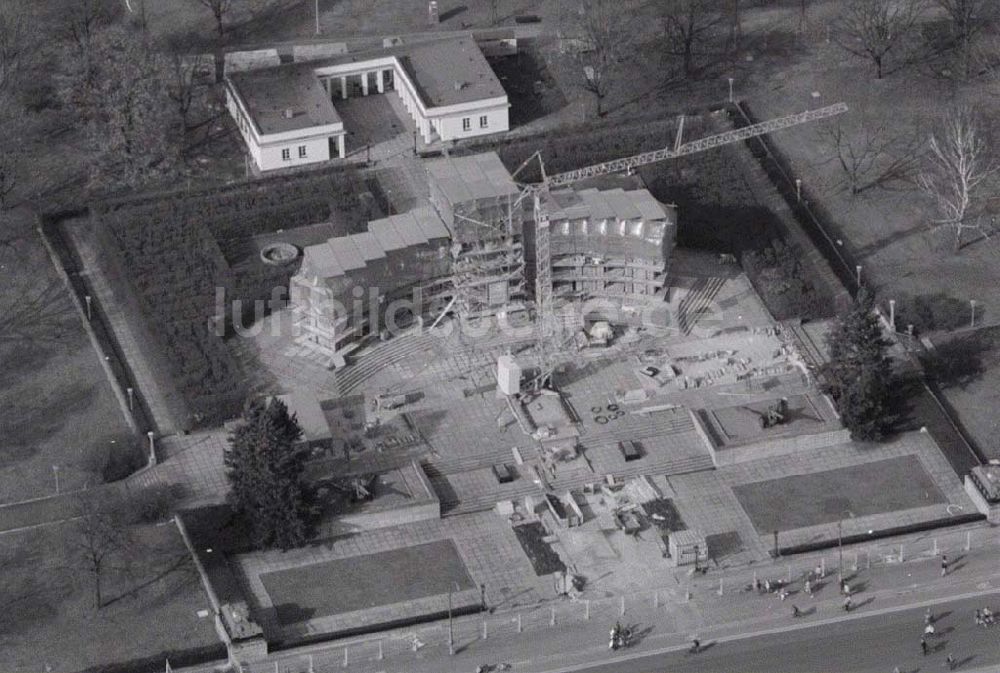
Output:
[[453, 505], [381, 356]]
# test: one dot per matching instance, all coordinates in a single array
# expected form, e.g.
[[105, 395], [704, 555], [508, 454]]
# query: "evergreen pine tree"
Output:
[[264, 462], [859, 370]]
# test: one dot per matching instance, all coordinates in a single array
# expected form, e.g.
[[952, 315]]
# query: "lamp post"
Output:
[[451, 624], [317, 17], [840, 547], [730, 89], [55, 471], [972, 318]]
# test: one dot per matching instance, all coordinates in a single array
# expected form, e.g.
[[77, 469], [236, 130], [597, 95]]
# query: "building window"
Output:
[[286, 154], [484, 122], [466, 123], [302, 151]]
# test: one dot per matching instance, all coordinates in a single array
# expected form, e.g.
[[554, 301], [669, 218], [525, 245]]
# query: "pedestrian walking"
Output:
[[896, 669], [846, 589], [979, 618], [819, 572], [944, 565], [847, 604], [808, 588], [923, 645], [950, 660]]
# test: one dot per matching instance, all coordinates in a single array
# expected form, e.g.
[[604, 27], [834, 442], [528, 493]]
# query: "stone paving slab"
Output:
[[706, 501], [153, 378]]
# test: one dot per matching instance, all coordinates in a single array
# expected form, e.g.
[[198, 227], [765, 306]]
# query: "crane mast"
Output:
[[547, 329]]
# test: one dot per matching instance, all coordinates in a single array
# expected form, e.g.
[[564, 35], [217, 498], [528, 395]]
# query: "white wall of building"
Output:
[[448, 122], [451, 127], [272, 156], [268, 152]]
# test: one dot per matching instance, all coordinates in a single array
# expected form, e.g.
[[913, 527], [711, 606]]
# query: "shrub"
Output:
[[154, 503], [928, 312], [783, 283]]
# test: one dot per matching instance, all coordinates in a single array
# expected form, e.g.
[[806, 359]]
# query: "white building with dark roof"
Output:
[[287, 113]]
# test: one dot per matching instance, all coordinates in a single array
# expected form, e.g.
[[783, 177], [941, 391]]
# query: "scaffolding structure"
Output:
[[478, 202]]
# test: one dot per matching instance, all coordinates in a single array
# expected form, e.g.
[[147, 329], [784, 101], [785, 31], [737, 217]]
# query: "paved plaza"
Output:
[[730, 364]]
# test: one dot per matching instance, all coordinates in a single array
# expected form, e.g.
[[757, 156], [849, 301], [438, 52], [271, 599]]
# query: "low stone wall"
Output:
[[991, 510], [393, 517], [768, 448]]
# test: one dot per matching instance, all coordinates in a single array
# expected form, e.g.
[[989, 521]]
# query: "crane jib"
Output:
[[709, 142]]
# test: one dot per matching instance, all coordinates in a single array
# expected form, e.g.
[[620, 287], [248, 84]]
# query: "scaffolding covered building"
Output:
[[611, 244], [479, 203], [464, 253]]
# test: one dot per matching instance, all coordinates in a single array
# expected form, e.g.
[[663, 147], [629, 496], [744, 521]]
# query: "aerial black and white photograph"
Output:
[[483, 336]]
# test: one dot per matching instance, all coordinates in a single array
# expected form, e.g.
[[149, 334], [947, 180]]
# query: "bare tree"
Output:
[[735, 22], [102, 536], [872, 28], [959, 162], [871, 152], [606, 35], [687, 24], [122, 94], [80, 20], [967, 20], [14, 43], [181, 71], [219, 9]]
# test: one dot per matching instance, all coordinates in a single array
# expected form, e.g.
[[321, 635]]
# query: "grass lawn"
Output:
[[967, 369], [56, 405], [49, 617], [886, 227], [805, 500], [360, 582]]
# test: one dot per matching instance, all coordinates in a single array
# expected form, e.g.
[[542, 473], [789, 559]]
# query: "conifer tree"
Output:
[[264, 462], [859, 370]]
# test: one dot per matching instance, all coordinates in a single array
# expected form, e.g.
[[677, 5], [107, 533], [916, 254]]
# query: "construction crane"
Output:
[[547, 329]]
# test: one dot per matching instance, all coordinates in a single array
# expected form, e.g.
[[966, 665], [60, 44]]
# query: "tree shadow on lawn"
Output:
[[293, 613], [30, 601], [32, 420], [960, 361], [178, 567]]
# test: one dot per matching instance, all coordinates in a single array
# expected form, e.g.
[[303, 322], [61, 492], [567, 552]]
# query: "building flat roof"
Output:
[[271, 92], [386, 234], [347, 253], [342, 255], [479, 176], [451, 72], [446, 72], [616, 204], [368, 245], [308, 412]]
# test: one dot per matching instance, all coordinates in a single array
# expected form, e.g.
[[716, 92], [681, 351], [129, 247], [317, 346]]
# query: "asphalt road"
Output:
[[869, 645]]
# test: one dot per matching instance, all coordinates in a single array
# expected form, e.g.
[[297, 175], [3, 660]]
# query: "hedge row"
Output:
[[179, 250]]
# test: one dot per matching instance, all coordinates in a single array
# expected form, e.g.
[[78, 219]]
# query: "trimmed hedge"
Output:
[[180, 249]]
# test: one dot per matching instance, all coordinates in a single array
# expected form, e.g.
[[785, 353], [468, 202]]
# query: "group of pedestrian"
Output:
[[949, 660]]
